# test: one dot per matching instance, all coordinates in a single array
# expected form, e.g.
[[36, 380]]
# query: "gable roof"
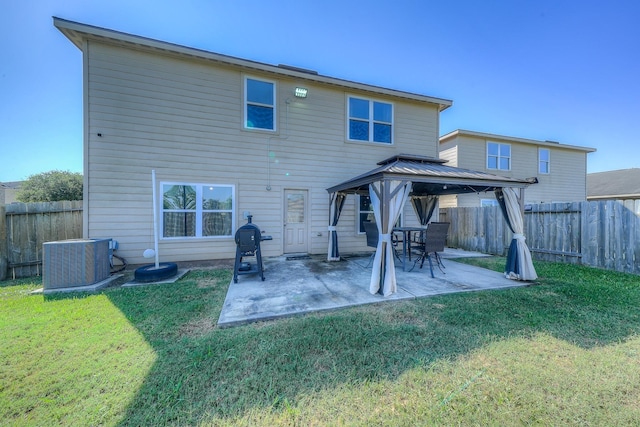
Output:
[[616, 184], [429, 176], [77, 33], [495, 137]]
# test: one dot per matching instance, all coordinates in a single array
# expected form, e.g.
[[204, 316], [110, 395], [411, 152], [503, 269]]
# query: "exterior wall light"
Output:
[[300, 92]]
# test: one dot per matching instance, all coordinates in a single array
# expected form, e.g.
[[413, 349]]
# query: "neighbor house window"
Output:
[[370, 120], [365, 213], [197, 210], [544, 157], [498, 156], [259, 105]]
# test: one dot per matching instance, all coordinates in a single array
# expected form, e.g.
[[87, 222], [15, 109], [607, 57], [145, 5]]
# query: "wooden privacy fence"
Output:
[[24, 227], [603, 234]]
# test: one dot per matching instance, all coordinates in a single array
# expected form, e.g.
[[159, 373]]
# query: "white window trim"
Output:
[[548, 162], [198, 211], [499, 156], [371, 120], [358, 212], [245, 103]]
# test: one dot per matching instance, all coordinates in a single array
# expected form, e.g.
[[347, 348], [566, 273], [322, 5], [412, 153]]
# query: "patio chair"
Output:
[[371, 230], [435, 238]]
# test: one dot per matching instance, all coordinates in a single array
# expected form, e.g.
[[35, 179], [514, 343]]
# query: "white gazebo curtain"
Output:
[[335, 208], [519, 263], [388, 199], [424, 206]]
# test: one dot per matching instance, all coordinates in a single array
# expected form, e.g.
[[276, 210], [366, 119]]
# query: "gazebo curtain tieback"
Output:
[[386, 237], [519, 236], [331, 228]]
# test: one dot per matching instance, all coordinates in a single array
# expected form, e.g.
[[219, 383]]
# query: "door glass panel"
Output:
[[295, 208]]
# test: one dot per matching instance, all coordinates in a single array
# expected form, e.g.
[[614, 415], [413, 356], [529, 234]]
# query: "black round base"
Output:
[[149, 273]]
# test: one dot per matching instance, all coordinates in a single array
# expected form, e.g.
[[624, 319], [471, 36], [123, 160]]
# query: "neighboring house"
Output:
[[8, 192], [614, 185], [560, 169], [228, 137]]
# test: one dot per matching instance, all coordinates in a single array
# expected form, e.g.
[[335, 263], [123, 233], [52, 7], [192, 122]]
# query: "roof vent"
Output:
[[552, 142], [298, 69], [411, 158]]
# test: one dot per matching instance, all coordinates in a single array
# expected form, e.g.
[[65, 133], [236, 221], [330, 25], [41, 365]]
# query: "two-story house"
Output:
[[560, 169], [217, 138], [228, 137]]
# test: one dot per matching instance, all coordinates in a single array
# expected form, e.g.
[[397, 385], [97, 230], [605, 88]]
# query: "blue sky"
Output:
[[566, 71]]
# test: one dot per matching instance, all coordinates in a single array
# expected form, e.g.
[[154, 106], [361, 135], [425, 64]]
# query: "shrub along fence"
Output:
[[24, 227], [602, 234]]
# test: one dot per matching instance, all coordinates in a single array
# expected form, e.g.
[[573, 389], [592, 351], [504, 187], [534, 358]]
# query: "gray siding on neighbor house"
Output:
[[183, 117]]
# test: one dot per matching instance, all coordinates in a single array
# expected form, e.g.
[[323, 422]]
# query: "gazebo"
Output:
[[424, 179]]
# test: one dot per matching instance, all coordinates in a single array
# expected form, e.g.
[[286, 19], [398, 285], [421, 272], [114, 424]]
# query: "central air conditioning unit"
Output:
[[75, 263]]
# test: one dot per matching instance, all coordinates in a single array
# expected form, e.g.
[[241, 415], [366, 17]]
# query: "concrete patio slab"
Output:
[[298, 286]]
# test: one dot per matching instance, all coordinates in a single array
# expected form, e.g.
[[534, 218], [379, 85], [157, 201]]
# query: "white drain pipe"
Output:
[[155, 219]]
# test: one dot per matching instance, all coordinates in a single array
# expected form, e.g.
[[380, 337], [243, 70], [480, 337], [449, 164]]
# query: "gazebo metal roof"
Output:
[[429, 176]]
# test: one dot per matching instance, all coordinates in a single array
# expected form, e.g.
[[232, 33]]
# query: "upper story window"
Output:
[[259, 104], [370, 120], [197, 210], [498, 156], [544, 158]]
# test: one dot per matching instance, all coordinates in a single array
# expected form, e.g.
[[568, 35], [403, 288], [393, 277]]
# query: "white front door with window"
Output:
[[295, 221]]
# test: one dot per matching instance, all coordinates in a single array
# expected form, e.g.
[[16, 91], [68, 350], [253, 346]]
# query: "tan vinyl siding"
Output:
[[450, 154], [472, 154], [183, 118], [473, 200], [566, 181], [450, 201]]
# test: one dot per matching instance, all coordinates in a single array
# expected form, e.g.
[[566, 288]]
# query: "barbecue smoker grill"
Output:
[[248, 239]]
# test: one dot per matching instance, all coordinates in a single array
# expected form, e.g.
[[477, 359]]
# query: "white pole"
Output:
[[155, 218]]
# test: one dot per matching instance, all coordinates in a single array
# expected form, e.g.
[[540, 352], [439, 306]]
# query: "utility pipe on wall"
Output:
[[155, 218]]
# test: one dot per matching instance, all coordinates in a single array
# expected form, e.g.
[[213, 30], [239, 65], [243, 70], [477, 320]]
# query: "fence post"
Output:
[[4, 262]]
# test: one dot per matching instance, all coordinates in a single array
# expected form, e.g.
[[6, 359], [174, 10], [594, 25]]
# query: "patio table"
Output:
[[406, 241]]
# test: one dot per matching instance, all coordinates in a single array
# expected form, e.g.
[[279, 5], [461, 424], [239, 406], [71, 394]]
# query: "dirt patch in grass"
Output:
[[208, 283], [198, 327]]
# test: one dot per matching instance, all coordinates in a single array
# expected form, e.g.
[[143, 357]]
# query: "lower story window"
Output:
[[197, 210], [365, 213]]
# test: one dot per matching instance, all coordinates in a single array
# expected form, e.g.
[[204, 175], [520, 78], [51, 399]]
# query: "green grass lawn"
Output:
[[565, 351]]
